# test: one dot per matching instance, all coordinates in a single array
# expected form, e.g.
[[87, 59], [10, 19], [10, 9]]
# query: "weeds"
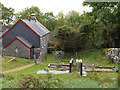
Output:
[[34, 81]]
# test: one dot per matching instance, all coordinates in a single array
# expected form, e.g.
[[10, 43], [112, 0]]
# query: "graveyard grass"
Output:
[[70, 80], [16, 63]]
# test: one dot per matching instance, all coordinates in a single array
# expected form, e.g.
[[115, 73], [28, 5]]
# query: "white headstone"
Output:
[[71, 58], [77, 61]]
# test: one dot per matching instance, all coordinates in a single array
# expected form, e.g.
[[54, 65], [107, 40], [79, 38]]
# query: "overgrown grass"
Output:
[[73, 80]]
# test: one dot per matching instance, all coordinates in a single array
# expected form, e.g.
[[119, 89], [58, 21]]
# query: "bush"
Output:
[[34, 81], [7, 81], [69, 39]]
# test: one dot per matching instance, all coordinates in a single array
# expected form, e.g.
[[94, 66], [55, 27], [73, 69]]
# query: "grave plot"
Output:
[[100, 69], [58, 67], [81, 68], [95, 68], [55, 69]]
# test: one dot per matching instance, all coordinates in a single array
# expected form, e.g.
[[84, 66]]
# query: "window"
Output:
[[16, 49]]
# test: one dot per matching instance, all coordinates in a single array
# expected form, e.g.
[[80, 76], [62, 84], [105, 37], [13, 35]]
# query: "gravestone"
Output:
[[35, 60], [57, 54], [3, 54]]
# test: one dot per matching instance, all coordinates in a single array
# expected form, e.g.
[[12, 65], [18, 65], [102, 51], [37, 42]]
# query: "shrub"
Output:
[[34, 81]]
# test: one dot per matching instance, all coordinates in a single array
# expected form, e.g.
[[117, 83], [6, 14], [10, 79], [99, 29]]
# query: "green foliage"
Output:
[[60, 19], [8, 80], [63, 35], [26, 13], [48, 20], [35, 81], [63, 32], [106, 32], [7, 14], [104, 79], [73, 19], [68, 39], [96, 29]]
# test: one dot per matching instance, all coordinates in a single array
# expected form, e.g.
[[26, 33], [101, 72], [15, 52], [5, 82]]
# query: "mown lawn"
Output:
[[73, 80]]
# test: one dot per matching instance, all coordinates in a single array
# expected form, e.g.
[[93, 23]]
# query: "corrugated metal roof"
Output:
[[25, 41], [37, 27]]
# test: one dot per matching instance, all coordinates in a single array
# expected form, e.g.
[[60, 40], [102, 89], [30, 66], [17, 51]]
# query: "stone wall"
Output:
[[44, 43], [37, 52], [114, 54], [23, 51]]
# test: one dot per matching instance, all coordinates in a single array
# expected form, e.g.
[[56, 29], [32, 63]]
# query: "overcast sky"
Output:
[[47, 5]]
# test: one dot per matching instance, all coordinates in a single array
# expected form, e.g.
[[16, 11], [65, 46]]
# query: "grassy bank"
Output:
[[16, 63]]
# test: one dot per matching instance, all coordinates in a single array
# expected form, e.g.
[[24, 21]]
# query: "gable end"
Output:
[[17, 23], [19, 41]]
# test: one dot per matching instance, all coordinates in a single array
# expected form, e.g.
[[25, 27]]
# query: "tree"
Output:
[[26, 13], [48, 20], [73, 19], [7, 14], [62, 35], [69, 39], [60, 19], [106, 32]]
